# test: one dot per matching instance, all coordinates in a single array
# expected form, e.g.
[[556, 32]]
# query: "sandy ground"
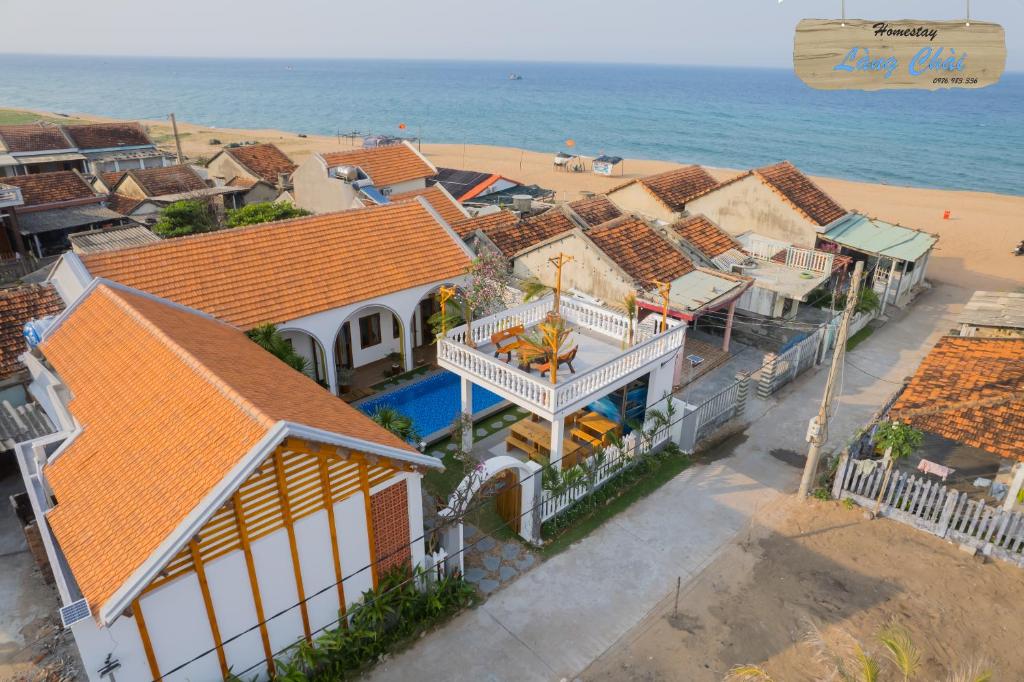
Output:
[[822, 564], [973, 251]]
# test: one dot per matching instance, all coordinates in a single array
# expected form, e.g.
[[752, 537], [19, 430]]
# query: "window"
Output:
[[369, 330], [396, 329]]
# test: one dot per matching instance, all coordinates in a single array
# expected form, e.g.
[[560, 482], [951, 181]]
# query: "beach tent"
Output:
[[569, 162], [605, 165]]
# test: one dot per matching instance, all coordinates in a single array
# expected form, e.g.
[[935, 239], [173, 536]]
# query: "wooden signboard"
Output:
[[859, 54]]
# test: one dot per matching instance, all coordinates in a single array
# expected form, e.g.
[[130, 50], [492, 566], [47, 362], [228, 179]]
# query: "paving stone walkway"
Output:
[[492, 563]]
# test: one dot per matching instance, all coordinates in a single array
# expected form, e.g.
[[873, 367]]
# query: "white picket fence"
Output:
[[710, 413], [933, 507]]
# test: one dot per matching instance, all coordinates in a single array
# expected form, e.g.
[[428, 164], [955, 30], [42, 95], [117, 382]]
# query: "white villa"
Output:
[[347, 289], [202, 505]]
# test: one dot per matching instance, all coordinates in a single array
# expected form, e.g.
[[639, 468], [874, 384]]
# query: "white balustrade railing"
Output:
[[809, 259], [499, 374]]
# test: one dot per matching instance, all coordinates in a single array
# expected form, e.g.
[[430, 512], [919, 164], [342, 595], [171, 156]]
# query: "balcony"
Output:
[[602, 362], [10, 196]]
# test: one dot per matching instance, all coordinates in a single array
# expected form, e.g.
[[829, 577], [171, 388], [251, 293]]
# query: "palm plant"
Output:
[[397, 423], [267, 336], [898, 441], [630, 304], [546, 343]]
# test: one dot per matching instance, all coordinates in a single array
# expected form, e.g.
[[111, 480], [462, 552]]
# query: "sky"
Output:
[[711, 32]]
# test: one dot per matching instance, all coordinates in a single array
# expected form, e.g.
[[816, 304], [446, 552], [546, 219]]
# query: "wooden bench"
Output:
[[534, 438], [512, 336], [564, 359]]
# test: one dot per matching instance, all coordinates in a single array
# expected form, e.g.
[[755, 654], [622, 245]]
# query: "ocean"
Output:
[[717, 116]]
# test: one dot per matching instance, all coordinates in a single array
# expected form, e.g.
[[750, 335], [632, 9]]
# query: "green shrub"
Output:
[[263, 212], [189, 216]]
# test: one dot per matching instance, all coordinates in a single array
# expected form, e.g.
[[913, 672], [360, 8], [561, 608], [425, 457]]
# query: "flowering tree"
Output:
[[483, 291]]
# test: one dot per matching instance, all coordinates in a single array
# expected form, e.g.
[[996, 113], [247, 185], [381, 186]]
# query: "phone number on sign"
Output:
[[956, 81]]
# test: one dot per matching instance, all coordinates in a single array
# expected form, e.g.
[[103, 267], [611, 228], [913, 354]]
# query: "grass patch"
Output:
[[612, 498], [403, 377], [16, 117], [856, 339]]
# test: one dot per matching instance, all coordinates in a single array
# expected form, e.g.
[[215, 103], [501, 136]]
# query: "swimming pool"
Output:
[[431, 403]]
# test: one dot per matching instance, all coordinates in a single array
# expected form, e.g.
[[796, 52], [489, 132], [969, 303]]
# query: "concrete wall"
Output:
[[223, 168], [260, 192], [749, 205], [636, 198], [316, 192], [590, 272]]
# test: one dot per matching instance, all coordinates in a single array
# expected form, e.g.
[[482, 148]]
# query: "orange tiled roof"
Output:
[[643, 253], [677, 186], [970, 369], [596, 209], [491, 221], [106, 135], [264, 160], [33, 137], [289, 269], [169, 401], [513, 238], [705, 236], [436, 197], [51, 188], [388, 165], [19, 305], [801, 192], [122, 204], [239, 181], [156, 182]]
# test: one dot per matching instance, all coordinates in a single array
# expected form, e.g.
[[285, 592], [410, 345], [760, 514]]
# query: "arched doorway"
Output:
[[422, 333], [309, 347], [517, 486], [367, 346]]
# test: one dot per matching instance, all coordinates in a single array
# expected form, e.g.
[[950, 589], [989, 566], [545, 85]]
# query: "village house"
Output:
[[263, 168], [142, 194], [346, 301], [896, 256], [466, 185], [37, 148], [664, 196], [53, 206], [262, 509], [450, 210], [18, 305], [997, 314], [337, 181], [596, 209]]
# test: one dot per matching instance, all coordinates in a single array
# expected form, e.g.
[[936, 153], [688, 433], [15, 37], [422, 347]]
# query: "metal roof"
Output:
[[110, 239], [881, 238], [698, 288], [65, 218], [994, 309]]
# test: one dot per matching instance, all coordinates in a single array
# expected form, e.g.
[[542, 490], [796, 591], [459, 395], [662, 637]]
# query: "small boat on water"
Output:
[[515, 77]]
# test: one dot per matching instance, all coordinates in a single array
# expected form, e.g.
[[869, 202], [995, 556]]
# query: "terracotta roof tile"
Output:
[[676, 187], [40, 189], [169, 401], [513, 238], [19, 305], [970, 369], [264, 160], [239, 181], [122, 204], [155, 182], [644, 254], [596, 209], [491, 221], [438, 199], [33, 137], [388, 165], [705, 236], [106, 135], [285, 270], [801, 192]]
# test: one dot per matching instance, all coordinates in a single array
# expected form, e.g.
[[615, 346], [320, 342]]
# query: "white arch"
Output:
[[316, 342], [405, 337]]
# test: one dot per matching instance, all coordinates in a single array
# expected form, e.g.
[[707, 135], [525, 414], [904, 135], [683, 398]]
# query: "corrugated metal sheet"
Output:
[[65, 218], [881, 238], [111, 239]]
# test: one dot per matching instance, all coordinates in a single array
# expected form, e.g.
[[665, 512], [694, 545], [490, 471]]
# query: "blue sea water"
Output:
[[729, 117], [431, 403]]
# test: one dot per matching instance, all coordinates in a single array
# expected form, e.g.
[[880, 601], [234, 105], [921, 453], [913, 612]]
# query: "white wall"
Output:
[[179, 629], [406, 186], [272, 558], [353, 546], [315, 191], [313, 537], [122, 642], [231, 594]]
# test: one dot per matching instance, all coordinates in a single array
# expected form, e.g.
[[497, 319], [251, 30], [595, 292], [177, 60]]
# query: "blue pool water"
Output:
[[431, 403]]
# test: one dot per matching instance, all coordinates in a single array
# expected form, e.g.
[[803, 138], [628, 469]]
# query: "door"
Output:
[[428, 307], [509, 501], [343, 349]]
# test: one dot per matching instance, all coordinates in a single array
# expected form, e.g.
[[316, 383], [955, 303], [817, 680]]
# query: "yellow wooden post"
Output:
[[446, 294], [665, 289], [558, 262]]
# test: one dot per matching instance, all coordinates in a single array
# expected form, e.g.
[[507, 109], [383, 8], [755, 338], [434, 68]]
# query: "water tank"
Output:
[[522, 202], [346, 173], [34, 330]]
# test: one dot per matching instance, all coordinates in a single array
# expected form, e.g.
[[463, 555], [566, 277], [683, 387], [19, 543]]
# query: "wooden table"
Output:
[[534, 438], [593, 428]]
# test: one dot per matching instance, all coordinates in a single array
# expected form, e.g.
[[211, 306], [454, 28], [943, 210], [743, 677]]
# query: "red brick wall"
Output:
[[390, 511]]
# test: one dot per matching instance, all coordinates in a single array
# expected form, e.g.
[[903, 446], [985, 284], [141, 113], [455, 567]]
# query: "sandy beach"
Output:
[[973, 250]]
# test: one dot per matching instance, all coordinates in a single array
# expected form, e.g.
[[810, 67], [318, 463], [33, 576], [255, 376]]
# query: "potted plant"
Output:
[[396, 362], [345, 375]]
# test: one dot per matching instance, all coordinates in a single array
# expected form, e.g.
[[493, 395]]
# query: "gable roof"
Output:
[[33, 137], [596, 209], [388, 165], [801, 192], [41, 189], [858, 232], [488, 222], [264, 160], [969, 369], [157, 182], [643, 253], [705, 236], [285, 270], [122, 204], [675, 187], [511, 238], [202, 398], [111, 238], [439, 200], [462, 182], [19, 305], [108, 135]]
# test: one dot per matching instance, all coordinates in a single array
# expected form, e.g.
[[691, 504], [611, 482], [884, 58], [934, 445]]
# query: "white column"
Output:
[[415, 500], [467, 409], [888, 284], [557, 436], [530, 485], [1015, 486], [410, 361]]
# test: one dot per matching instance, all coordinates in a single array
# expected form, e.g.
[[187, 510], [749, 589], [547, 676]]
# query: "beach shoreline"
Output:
[[974, 242]]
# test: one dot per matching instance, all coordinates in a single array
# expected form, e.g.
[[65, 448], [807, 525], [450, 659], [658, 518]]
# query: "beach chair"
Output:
[[564, 359]]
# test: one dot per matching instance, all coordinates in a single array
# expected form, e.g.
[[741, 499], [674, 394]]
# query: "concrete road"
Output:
[[552, 622]]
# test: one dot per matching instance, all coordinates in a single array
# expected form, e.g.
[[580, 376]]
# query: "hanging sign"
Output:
[[860, 54]]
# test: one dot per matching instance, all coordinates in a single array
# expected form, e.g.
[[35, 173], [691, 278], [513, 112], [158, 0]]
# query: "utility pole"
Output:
[[177, 140], [817, 430]]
